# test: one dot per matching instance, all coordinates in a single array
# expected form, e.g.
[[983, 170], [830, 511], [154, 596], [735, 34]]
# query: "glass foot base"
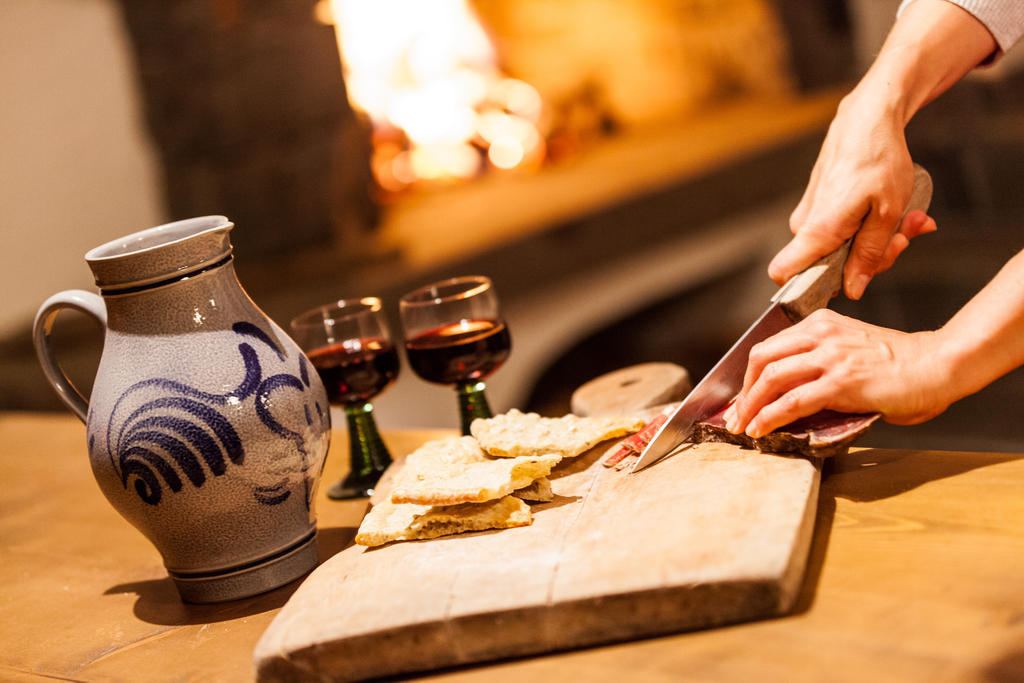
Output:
[[351, 487]]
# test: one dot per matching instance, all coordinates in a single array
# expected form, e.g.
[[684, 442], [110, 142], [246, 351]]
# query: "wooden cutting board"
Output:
[[712, 535]]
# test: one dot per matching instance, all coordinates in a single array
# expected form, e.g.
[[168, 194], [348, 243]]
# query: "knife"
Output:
[[803, 294]]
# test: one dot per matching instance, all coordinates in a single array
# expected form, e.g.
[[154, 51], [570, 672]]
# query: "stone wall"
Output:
[[246, 104]]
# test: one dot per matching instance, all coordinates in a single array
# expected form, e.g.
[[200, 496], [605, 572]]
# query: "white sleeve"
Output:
[[1003, 18]]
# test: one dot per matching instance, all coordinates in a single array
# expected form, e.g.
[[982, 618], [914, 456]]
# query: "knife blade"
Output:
[[803, 294]]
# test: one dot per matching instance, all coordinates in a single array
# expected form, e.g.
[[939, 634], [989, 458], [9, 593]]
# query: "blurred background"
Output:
[[622, 170]]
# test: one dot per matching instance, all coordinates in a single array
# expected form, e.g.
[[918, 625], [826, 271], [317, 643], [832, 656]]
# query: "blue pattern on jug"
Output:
[[155, 442]]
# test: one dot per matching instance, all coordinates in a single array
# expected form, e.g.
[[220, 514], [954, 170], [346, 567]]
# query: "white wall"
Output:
[[76, 167]]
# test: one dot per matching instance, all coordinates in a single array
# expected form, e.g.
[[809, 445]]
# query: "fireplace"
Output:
[[325, 124], [623, 154]]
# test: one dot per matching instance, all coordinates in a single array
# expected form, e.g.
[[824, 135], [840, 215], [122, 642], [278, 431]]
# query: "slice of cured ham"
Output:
[[822, 435]]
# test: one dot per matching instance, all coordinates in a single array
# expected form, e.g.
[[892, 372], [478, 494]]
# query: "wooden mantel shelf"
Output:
[[444, 225]]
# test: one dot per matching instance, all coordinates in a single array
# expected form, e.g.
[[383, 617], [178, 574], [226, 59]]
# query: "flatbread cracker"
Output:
[[517, 434], [456, 470], [388, 522], [537, 492]]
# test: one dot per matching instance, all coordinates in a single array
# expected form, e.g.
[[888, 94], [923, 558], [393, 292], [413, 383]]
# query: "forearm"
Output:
[[932, 45], [863, 178], [985, 339]]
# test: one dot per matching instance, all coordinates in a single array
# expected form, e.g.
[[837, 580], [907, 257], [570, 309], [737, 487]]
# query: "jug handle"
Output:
[[79, 300]]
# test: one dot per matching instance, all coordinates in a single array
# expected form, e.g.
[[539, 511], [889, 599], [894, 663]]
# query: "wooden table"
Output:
[[916, 573]]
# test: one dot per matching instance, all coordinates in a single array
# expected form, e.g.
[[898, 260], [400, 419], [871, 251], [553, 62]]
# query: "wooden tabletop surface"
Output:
[[916, 572]]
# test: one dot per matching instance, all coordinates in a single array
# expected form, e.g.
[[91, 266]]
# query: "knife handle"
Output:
[[812, 288]]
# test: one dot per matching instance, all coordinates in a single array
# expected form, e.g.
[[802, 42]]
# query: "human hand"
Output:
[[860, 185], [829, 361]]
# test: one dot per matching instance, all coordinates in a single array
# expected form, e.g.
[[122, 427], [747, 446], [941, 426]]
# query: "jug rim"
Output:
[[156, 237]]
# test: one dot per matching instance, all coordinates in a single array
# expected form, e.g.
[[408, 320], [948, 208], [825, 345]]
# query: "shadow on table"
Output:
[[875, 474], [1009, 667], [158, 601], [818, 550]]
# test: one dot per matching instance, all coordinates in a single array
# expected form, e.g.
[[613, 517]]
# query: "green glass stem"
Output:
[[368, 453], [472, 403], [368, 456]]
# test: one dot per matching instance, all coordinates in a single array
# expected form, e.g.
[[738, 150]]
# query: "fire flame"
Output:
[[426, 75]]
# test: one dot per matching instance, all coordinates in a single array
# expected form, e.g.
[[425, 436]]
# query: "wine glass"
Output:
[[349, 345], [455, 335]]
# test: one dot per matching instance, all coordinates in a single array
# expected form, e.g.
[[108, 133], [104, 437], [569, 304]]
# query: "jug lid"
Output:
[[160, 255]]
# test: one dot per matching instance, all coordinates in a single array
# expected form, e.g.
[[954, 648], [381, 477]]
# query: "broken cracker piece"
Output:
[[517, 434], [456, 470], [537, 492], [388, 522]]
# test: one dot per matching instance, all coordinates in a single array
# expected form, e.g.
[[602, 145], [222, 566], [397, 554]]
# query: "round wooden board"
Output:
[[632, 389]]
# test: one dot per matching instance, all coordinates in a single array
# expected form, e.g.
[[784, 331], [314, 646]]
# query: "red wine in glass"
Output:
[[349, 345], [455, 335], [355, 370], [459, 352]]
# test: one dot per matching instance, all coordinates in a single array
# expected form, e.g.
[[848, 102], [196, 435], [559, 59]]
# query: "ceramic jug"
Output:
[[207, 428]]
